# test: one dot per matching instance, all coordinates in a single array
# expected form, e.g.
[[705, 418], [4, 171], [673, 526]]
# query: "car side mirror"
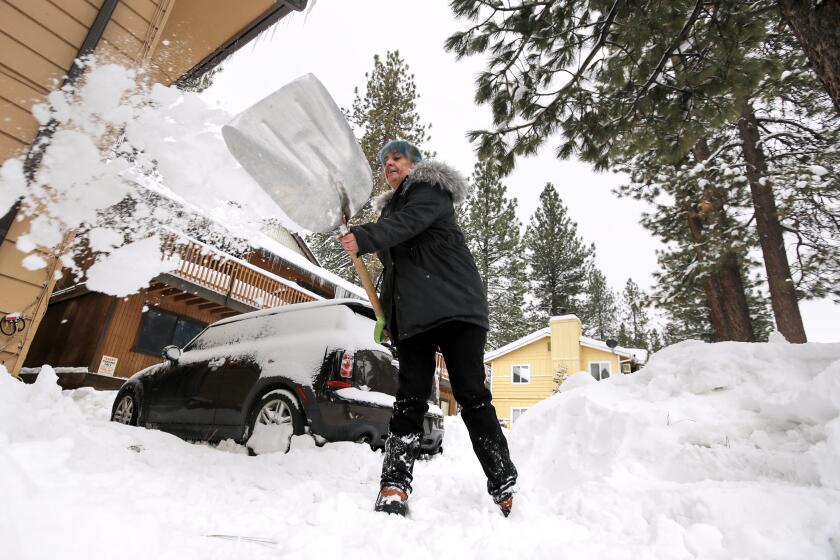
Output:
[[171, 353]]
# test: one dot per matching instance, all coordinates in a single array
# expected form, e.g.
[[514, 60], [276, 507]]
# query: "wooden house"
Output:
[[120, 335], [175, 41]]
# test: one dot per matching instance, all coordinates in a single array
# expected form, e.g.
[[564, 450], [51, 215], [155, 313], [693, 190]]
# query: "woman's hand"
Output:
[[348, 242]]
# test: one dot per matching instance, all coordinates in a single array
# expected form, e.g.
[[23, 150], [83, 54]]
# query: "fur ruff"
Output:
[[430, 171]]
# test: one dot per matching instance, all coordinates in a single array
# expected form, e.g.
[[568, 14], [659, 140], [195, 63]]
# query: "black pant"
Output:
[[462, 346]]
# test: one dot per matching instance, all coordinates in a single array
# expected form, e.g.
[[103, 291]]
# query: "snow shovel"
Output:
[[297, 145]]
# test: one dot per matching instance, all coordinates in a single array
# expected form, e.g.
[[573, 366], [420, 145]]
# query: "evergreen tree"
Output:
[[559, 259], [387, 111], [509, 317], [666, 74], [623, 338], [491, 228], [635, 314], [681, 297], [655, 343], [600, 308], [815, 26]]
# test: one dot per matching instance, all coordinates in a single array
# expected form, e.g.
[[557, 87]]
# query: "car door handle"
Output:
[[218, 362]]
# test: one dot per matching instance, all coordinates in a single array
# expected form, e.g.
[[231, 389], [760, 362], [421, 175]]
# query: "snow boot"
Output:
[[392, 500], [398, 462], [505, 502]]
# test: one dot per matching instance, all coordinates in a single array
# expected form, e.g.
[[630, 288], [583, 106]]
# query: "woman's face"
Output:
[[396, 168]]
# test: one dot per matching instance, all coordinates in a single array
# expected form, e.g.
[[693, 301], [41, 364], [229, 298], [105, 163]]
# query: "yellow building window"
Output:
[[515, 414], [520, 374], [599, 370]]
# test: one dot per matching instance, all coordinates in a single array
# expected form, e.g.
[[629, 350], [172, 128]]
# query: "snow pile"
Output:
[[122, 151], [713, 451]]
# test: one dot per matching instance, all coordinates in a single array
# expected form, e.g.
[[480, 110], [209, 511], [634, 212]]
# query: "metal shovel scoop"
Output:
[[297, 145]]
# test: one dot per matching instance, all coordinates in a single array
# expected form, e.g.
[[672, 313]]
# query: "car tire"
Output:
[[275, 409], [126, 409]]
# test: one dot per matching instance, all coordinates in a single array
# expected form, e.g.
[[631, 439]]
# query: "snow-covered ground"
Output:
[[713, 451]]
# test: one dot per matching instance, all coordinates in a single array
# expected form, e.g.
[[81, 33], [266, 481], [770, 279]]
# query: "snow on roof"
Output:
[[510, 347], [601, 345], [637, 354], [243, 263], [292, 308], [277, 248], [567, 317], [260, 239]]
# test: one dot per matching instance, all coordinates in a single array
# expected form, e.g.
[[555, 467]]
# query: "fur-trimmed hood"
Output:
[[436, 173]]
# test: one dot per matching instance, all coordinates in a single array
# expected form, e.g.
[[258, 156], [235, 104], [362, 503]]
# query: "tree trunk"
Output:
[[729, 284], [779, 278], [711, 284], [816, 25], [735, 299]]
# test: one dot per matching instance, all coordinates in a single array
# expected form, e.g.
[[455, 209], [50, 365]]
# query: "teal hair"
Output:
[[404, 147]]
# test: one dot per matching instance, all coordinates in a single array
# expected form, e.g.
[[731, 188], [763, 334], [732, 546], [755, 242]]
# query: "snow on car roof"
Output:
[[355, 304]]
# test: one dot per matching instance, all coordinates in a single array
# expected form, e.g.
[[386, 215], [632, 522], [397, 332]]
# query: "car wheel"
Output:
[[126, 408], [274, 420]]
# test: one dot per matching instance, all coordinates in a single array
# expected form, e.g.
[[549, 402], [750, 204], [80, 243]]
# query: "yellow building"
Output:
[[529, 370]]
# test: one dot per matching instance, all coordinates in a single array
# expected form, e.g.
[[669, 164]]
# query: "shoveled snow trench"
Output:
[[712, 451]]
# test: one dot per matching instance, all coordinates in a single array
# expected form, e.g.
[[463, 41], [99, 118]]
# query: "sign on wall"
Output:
[[108, 365]]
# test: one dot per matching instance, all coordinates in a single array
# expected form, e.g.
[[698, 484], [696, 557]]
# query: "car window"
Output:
[[375, 371]]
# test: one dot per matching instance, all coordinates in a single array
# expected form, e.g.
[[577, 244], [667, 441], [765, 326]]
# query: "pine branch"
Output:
[[813, 132], [678, 40]]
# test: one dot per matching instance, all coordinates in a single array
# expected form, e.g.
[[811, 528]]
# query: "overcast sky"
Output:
[[336, 41]]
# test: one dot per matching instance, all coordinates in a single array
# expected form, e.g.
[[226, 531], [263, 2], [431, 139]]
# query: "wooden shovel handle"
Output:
[[367, 284], [364, 276]]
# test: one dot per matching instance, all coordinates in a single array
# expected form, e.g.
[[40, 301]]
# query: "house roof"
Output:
[[284, 252], [259, 240], [524, 341], [637, 354], [600, 345]]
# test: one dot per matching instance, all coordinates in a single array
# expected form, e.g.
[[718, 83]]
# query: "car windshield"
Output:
[[375, 371]]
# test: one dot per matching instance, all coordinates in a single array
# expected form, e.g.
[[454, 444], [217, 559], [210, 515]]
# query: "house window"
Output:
[[599, 370], [521, 374], [515, 413], [160, 328]]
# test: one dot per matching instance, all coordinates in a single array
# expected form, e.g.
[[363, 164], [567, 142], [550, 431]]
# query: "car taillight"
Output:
[[346, 370], [338, 384]]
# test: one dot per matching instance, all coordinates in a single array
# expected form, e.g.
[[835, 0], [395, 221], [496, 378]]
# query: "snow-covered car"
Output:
[[260, 377]]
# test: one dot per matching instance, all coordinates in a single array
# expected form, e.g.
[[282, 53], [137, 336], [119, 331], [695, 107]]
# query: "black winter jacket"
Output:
[[429, 274]]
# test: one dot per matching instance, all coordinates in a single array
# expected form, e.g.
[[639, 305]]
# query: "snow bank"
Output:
[[716, 451], [713, 451]]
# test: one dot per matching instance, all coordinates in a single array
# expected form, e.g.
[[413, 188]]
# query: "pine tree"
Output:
[[635, 314], [599, 312], [509, 317], [559, 259], [666, 74], [387, 111], [623, 337], [491, 228], [815, 26], [698, 213], [655, 343]]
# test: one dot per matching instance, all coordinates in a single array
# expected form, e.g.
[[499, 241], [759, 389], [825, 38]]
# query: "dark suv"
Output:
[[260, 377]]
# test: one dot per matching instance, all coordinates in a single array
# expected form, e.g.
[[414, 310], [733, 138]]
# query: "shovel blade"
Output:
[[297, 145]]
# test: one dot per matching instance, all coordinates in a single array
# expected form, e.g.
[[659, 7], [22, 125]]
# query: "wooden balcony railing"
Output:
[[229, 276]]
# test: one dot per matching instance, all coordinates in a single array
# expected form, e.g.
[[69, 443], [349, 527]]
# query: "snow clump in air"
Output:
[[127, 161]]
